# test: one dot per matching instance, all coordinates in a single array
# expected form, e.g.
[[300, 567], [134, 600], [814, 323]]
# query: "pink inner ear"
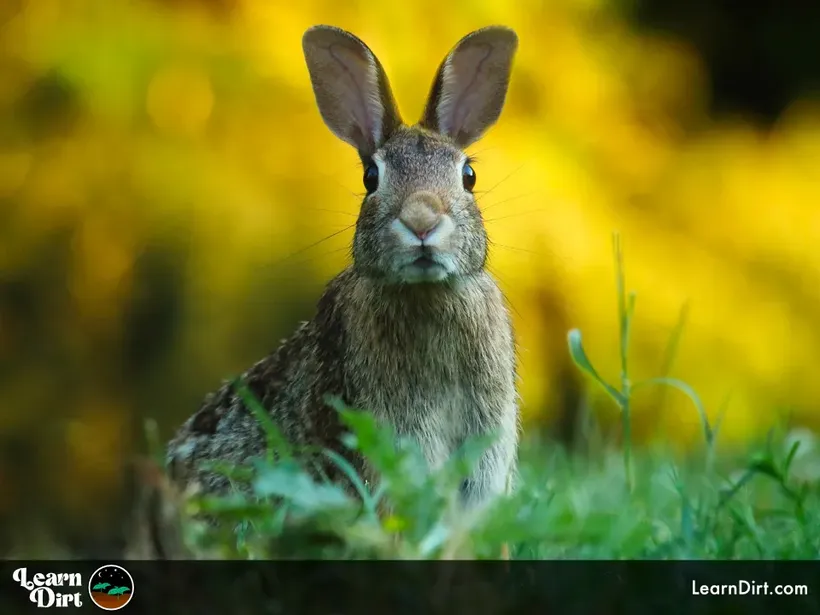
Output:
[[358, 90], [463, 86]]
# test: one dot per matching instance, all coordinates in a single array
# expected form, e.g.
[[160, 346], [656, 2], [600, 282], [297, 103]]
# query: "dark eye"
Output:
[[468, 177], [371, 178]]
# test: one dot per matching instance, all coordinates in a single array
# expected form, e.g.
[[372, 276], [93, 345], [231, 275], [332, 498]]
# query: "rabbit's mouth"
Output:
[[424, 263], [425, 268]]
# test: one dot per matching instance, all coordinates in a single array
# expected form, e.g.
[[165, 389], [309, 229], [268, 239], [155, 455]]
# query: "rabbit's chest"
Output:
[[428, 403], [431, 386], [436, 362]]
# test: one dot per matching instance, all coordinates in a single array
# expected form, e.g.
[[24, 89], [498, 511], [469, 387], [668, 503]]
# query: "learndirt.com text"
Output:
[[748, 588]]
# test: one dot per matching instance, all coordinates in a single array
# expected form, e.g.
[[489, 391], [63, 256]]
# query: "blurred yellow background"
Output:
[[164, 172]]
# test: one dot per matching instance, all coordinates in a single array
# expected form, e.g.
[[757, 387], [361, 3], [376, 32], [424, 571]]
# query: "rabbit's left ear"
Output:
[[471, 85]]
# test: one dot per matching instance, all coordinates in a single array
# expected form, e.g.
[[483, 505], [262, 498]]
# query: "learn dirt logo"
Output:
[[51, 589], [111, 587]]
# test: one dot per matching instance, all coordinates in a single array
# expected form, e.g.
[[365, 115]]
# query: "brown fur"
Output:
[[435, 359]]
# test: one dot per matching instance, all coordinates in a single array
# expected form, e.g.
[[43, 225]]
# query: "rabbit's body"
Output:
[[415, 331], [431, 377]]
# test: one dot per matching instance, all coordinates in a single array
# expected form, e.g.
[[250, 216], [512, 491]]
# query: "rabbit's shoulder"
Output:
[[290, 385]]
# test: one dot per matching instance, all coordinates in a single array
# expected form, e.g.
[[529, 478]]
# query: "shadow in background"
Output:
[[761, 55]]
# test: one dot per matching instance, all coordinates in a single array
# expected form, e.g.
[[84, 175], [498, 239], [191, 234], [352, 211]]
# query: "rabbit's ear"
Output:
[[471, 85], [351, 89]]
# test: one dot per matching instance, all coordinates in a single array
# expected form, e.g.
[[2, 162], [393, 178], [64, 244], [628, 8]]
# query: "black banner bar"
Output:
[[238, 588]]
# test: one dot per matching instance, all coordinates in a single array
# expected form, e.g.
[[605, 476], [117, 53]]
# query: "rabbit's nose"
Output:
[[421, 228], [421, 214]]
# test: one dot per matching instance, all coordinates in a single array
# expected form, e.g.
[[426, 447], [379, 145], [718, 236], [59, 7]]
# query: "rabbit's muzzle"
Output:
[[424, 233]]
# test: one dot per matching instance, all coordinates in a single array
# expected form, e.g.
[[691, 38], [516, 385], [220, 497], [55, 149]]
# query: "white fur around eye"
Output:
[[377, 160], [460, 168]]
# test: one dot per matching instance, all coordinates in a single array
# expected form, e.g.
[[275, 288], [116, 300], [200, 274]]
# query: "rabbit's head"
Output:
[[419, 221]]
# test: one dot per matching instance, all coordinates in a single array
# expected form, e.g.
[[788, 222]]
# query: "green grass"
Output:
[[758, 506], [611, 503]]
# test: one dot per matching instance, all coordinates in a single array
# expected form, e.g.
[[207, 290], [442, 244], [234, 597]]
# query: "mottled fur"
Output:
[[434, 359]]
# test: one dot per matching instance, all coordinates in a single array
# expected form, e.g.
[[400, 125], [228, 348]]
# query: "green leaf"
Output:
[[691, 394], [671, 350], [370, 502], [729, 492], [579, 356], [790, 457], [371, 439], [764, 464], [377, 442], [288, 480], [434, 539], [460, 465], [721, 414]]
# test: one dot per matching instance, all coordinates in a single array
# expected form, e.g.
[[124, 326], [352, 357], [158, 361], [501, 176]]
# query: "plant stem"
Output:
[[625, 309]]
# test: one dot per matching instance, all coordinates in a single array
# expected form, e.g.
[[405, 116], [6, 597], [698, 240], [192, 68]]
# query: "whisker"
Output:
[[331, 211], [502, 201], [313, 245], [330, 177], [525, 213], [478, 203], [514, 249], [322, 255], [486, 192], [504, 282], [480, 152], [331, 226], [483, 193]]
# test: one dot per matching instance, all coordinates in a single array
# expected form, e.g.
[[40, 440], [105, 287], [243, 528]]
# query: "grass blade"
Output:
[[708, 434], [579, 356], [278, 447]]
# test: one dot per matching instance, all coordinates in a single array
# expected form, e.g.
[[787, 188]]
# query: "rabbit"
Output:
[[415, 331]]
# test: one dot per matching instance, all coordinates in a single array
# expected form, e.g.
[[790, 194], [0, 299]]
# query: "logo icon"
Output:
[[111, 587]]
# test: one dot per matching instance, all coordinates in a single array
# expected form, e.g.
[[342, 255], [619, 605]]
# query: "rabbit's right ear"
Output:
[[471, 85], [351, 89]]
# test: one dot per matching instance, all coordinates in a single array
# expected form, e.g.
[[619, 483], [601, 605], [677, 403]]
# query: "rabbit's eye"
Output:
[[468, 177], [371, 178]]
